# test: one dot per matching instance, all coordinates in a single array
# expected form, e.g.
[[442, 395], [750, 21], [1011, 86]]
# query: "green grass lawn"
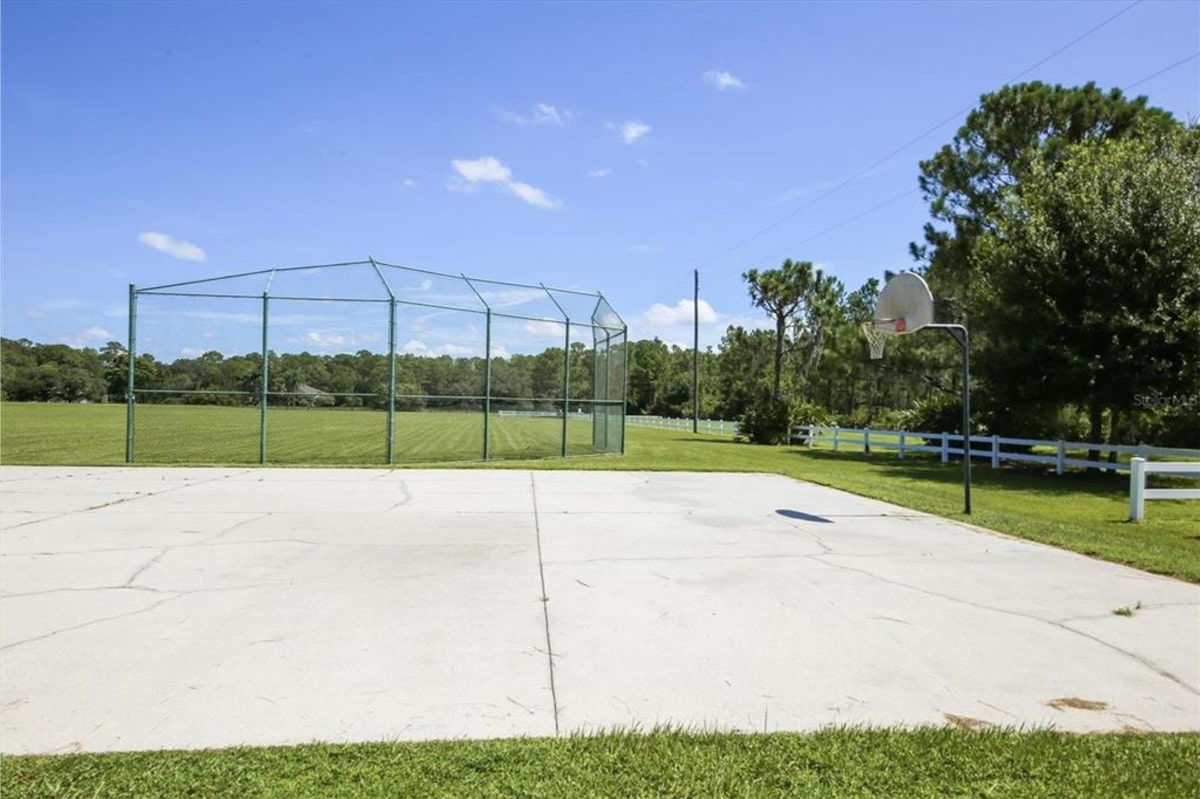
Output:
[[48, 434], [924, 762], [1077, 511]]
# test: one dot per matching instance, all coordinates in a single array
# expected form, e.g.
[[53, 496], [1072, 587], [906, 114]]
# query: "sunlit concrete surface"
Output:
[[169, 608]]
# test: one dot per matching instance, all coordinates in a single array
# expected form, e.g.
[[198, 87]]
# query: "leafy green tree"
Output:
[[1091, 282], [780, 292], [970, 181], [742, 369], [821, 312]]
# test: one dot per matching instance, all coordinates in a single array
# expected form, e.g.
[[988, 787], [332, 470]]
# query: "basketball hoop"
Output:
[[878, 331], [905, 305]]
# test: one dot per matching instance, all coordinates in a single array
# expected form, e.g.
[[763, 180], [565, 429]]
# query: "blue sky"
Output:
[[608, 146]]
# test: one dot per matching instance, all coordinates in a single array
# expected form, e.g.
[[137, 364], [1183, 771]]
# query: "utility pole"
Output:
[[695, 350]]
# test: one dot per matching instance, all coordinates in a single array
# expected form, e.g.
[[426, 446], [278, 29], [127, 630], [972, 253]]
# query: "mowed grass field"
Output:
[[40, 433], [1080, 512]]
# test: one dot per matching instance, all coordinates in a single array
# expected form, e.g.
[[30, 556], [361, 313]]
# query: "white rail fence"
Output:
[[714, 427], [1138, 493], [983, 448]]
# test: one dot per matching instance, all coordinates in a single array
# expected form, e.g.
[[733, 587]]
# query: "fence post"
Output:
[[836, 431], [131, 353], [996, 451], [945, 447], [566, 386], [1060, 461], [391, 417], [1137, 489], [262, 422], [866, 441], [487, 387], [901, 445]]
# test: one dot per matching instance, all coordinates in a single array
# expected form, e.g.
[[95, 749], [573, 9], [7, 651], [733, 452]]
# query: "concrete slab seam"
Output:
[[537, 529]]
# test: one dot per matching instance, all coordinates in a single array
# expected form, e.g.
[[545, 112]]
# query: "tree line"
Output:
[[1064, 233]]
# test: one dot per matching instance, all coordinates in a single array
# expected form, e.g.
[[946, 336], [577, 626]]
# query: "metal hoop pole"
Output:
[[963, 339]]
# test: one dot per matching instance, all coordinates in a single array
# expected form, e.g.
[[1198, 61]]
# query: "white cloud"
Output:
[[547, 114], [88, 338], [632, 130], [545, 329], [485, 169], [673, 323], [319, 339], [420, 348], [408, 183], [641, 248], [723, 80], [533, 195], [602, 172], [488, 169], [543, 114], [162, 242], [659, 315]]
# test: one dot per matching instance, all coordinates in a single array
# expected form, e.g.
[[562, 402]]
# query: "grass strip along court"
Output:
[[925, 762], [1078, 512]]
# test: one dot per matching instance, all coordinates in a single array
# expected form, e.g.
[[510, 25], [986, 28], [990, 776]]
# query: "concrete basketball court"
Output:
[[185, 608]]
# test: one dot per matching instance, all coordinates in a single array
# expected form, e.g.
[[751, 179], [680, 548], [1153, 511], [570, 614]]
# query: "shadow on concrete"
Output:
[[802, 516]]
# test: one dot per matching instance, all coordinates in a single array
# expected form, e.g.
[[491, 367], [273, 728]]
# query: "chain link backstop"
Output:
[[370, 363]]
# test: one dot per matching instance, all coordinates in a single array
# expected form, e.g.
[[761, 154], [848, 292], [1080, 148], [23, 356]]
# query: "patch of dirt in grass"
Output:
[[966, 722], [1076, 703]]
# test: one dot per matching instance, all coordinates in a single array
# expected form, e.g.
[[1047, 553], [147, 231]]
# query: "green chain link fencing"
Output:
[[370, 363]]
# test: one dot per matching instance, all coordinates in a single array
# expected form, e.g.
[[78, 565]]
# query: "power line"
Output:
[[1165, 69], [910, 192], [924, 134], [837, 225]]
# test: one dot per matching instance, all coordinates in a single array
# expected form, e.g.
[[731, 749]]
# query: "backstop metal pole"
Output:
[[266, 375], [391, 397], [624, 382], [487, 386], [131, 354], [605, 408], [391, 417], [696, 354], [566, 386]]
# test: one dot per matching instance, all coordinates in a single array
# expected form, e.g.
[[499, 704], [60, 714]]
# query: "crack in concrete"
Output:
[[124, 500], [74, 627], [190, 545], [674, 558], [227, 530], [1135, 611], [1149, 664], [138, 572], [406, 497], [145, 588], [808, 531]]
